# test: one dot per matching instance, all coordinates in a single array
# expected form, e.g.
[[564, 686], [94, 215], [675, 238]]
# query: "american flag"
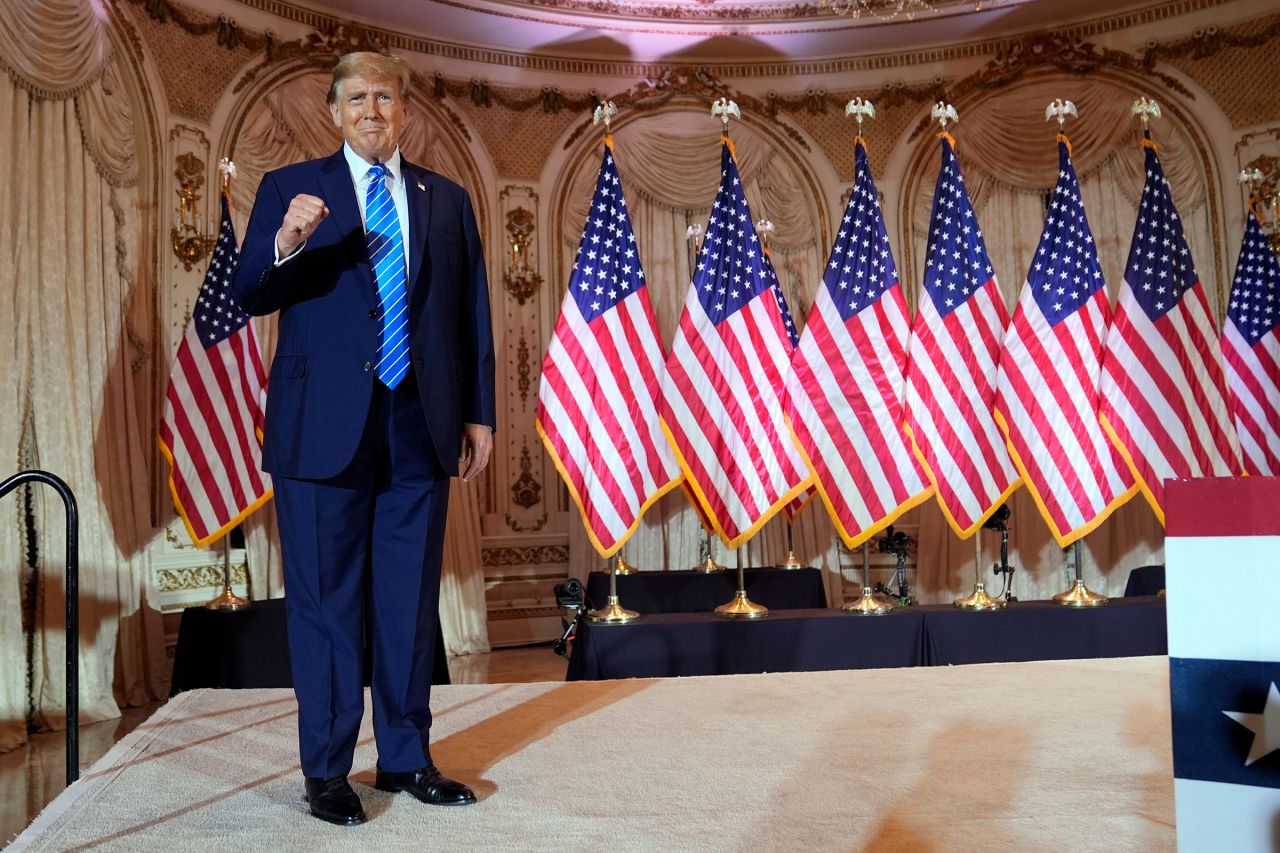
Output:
[[1251, 352], [844, 393], [1047, 388], [210, 430], [951, 368], [792, 509], [721, 404], [602, 375], [1164, 398]]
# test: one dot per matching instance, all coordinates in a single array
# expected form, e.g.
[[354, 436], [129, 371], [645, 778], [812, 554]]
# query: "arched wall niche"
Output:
[[1111, 175], [668, 159]]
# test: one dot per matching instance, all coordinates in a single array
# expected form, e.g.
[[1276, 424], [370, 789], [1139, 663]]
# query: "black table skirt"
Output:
[[785, 641], [247, 648], [683, 644], [1043, 630], [700, 592]]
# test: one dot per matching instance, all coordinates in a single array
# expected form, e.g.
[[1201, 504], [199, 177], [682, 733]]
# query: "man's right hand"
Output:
[[304, 215]]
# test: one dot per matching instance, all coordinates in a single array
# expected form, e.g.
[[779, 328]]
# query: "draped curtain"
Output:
[[289, 123], [670, 169], [1009, 158], [76, 383]]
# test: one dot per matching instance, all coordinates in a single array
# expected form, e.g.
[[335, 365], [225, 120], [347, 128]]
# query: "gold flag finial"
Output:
[[1060, 109], [943, 112], [604, 113], [1145, 109], [860, 109], [722, 109]]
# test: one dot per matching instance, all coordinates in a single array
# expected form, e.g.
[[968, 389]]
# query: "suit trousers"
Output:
[[362, 554]]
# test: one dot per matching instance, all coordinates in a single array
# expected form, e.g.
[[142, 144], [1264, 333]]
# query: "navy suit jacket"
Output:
[[322, 377]]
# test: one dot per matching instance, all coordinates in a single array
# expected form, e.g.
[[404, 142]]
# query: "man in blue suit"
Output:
[[382, 388]]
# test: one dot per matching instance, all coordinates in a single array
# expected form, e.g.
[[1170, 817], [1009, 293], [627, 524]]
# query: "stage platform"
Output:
[[1056, 755]]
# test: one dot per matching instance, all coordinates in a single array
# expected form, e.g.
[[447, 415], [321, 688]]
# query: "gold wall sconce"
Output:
[[1262, 178], [520, 278], [190, 245]]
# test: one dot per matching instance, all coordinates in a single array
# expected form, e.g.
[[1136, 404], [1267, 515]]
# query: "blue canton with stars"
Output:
[[861, 267], [607, 268], [956, 265], [1065, 273], [217, 315], [1256, 289], [772, 275], [730, 271], [1160, 268]]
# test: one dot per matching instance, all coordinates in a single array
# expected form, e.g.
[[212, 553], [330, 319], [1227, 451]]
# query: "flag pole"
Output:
[[612, 613], [694, 234], [227, 600], [740, 607]]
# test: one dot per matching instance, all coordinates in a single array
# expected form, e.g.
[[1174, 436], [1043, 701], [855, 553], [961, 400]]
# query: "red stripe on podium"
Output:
[[1223, 506]]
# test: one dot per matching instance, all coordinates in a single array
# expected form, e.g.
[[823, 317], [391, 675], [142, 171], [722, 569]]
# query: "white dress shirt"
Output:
[[360, 177]]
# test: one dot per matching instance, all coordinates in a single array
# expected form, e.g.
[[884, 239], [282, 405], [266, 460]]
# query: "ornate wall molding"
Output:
[[532, 555], [329, 30], [1204, 43], [1046, 50]]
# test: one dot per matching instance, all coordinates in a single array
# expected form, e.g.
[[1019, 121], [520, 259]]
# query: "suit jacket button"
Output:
[[373, 315], [368, 366]]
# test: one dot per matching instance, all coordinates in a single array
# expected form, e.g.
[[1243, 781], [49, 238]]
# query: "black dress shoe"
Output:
[[427, 785], [333, 800]]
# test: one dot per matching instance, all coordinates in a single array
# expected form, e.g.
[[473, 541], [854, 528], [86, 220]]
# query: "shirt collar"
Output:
[[360, 167]]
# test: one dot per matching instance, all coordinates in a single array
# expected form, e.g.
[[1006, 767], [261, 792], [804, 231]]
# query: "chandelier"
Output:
[[886, 10]]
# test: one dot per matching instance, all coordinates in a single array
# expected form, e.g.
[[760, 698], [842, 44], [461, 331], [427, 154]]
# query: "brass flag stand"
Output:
[[870, 603], [792, 562], [1079, 595], [741, 607], [979, 600], [613, 613], [227, 600], [708, 563]]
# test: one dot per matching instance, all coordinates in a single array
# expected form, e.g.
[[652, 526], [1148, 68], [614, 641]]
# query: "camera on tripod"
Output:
[[897, 543], [571, 596]]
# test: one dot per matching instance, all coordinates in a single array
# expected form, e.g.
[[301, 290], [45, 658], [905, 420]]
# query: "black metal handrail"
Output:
[[72, 696]]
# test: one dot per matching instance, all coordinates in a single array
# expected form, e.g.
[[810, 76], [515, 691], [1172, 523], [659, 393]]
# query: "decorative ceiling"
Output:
[[691, 31]]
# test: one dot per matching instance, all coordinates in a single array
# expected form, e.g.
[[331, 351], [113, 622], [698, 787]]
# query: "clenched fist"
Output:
[[304, 215]]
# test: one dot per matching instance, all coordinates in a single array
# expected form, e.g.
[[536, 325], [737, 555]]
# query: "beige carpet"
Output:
[[1066, 755]]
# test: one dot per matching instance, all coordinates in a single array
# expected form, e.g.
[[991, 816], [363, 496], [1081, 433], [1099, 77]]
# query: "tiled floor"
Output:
[[32, 776]]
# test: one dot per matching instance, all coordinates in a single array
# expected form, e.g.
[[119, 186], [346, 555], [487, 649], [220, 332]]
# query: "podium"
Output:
[[1222, 558]]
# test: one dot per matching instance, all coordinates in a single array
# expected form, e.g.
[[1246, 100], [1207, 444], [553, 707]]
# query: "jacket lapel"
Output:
[[339, 193], [418, 193]]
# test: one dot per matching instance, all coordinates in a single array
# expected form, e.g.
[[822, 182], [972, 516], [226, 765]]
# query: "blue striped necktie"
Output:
[[386, 253]]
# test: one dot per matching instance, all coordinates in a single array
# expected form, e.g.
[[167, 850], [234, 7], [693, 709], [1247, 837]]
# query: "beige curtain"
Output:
[[292, 123], [670, 168], [1009, 158], [71, 275]]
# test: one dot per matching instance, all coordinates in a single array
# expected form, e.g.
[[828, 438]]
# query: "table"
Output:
[[246, 648], [668, 644], [683, 644], [1043, 630], [692, 592]]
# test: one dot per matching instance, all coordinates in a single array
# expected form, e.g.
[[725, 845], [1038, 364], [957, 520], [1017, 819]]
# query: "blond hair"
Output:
[[371, 66]]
